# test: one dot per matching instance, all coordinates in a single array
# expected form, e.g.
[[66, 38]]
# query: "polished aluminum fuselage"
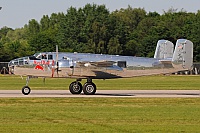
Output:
[[83, 65]]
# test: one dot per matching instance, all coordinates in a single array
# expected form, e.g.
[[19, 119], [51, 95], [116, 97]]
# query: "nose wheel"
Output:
[[26, 90]]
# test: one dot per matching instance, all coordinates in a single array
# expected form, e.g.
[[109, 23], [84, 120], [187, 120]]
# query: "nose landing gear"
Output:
[[26, 89]]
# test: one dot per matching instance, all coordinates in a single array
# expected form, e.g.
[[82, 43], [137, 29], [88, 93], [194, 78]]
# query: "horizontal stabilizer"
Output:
[[166, 63]]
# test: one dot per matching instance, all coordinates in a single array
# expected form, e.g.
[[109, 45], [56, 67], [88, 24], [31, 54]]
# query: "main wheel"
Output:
[[75, 88], [89, 88], [26, 90]]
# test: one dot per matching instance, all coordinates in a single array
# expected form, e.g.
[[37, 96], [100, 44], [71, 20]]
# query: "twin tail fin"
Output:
[[181, 56]]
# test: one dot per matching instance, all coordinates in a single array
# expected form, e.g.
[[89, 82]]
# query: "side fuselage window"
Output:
[[122, 64]]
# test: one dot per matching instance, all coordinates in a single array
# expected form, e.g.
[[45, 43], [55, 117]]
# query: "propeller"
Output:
[[57, 64]]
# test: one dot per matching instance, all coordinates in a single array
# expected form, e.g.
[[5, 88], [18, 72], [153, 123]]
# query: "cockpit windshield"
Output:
[[44, 56], [36, 54]]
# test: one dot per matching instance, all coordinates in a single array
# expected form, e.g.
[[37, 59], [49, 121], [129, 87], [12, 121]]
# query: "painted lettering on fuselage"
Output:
[[43, 62]]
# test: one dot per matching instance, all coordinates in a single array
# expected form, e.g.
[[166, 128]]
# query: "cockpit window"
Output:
[[33, 58], [50, 57], [36, 54], [39, 56], [44, 56]]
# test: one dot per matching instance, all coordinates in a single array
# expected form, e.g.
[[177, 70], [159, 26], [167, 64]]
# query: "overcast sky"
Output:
[[17, 13]]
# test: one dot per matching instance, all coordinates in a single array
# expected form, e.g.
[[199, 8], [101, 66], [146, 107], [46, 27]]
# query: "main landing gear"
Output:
[[89, 88]]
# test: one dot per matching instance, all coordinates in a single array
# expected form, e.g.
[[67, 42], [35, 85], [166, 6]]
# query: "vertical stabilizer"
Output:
[[183, 54], [164, 49]]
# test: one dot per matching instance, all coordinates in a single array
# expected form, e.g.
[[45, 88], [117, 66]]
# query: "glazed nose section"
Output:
[[18, 62], [11, 65]]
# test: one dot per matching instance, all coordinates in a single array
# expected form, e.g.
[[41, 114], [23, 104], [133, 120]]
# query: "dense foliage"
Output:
[[94, 29]]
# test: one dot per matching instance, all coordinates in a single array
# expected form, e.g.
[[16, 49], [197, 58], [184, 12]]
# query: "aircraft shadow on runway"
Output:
[[123, 95]]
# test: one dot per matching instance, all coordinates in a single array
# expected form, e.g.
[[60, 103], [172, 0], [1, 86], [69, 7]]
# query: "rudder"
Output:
[[183, 54], [164, 49]]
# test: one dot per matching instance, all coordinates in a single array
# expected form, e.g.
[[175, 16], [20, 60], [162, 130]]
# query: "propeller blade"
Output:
[[52, 69], [57, 65]]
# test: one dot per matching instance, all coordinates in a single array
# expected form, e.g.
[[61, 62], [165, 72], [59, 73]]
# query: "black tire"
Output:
[[89, 88], [75, 88], [26, 90]]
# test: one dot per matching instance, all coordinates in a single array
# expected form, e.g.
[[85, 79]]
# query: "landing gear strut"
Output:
[[26, 89], [89, 88]]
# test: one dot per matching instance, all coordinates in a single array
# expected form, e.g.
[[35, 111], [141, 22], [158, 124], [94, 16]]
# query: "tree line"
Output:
[[94, 29]]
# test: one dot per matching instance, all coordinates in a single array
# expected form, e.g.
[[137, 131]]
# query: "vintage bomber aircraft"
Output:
[[100, 66]]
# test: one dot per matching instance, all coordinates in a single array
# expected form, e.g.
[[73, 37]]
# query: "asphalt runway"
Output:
[[104, 93]]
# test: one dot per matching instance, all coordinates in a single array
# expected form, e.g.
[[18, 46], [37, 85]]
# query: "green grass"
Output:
[[97, 115], [137, 83]]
